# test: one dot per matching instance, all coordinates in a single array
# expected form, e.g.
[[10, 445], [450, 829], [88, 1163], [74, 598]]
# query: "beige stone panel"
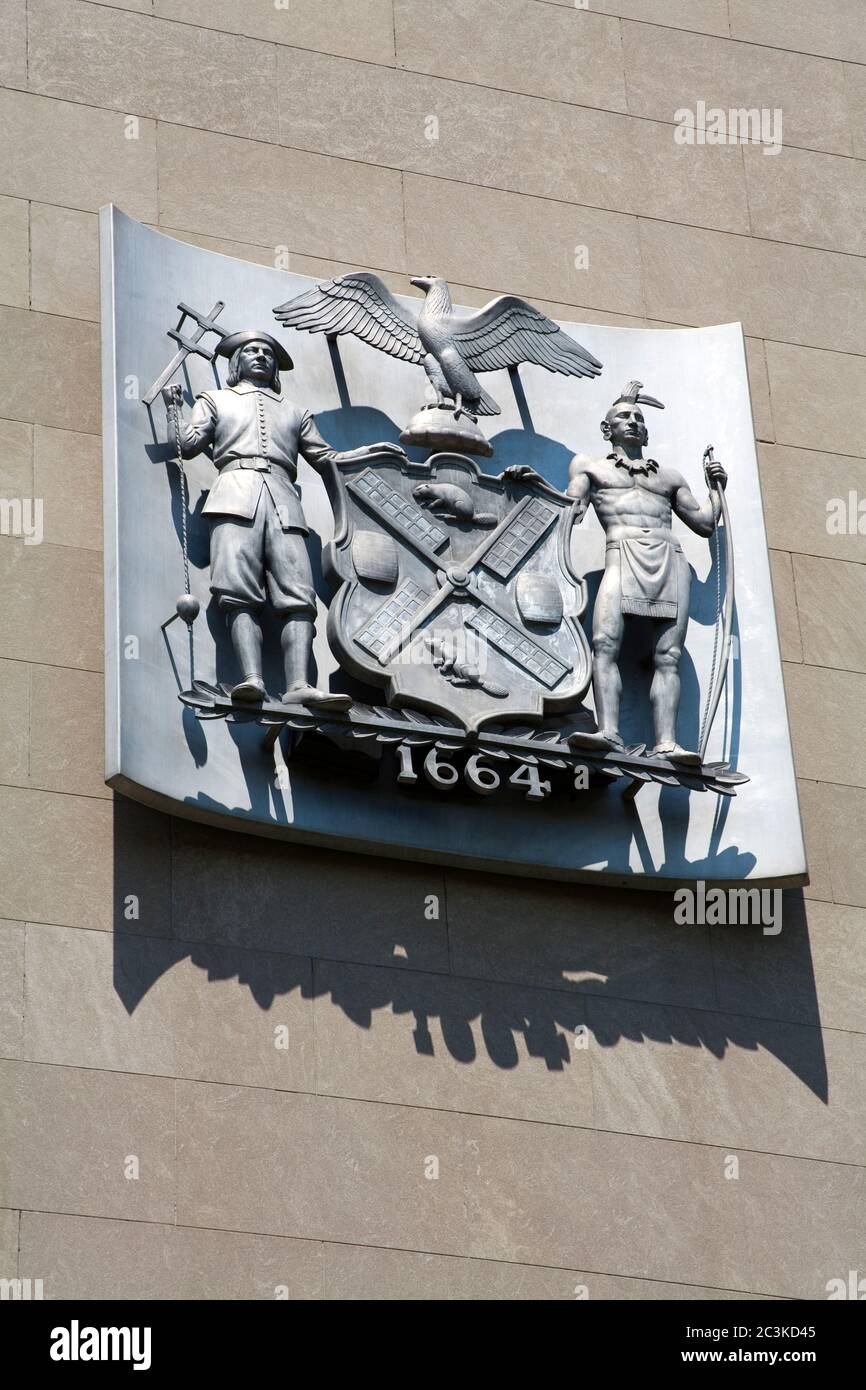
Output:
[[357, 1273], [52, 376], [15, 721], [322, 206], [831, 598], [533, 250], [241, 250], [573, 56], [237, 890], [67, 859], [64, 250], [471, 295], [323, 269], [11, 988], [61, 152], [83, 1004], [759, 389], [825, 709], [454, 1044], [69, 481], [244, 1017], [140, 1004], [71, 1134], [313, 1166], [813, 972], [13, 52], [52, 604], [806, 198], [463, 293], [581, 314], [704, 16], [791, 293], [14, 252], [361, 29], [844, 815], [478, 297], [298, 264], [797, 486], [667, 71], [831, 601], [561, 937], [66, 731], [16, 459], [784, 597], [815, 833], [8, 1243], [92, 1258], [100, 56], [812, 394], [56, 857], [656, 1209], [399, 283], [834, 28], [855, 82], [728, 1080], [504, 140]]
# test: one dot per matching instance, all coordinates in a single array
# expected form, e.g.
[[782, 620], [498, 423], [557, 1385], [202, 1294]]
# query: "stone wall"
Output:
[[417, 1046]]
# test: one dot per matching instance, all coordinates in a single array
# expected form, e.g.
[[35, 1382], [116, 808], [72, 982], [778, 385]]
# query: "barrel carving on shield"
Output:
[[539, 598], [375, 557]]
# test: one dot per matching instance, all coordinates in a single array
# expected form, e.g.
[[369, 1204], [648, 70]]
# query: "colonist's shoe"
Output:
[[250, 690], [602, 743], [309, 695], [675, 754]]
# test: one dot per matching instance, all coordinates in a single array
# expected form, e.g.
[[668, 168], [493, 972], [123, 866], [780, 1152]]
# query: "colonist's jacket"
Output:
[[256, 435]]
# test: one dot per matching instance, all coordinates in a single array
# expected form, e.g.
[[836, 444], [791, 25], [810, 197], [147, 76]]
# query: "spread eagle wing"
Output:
[[508, 331], [357, 303]]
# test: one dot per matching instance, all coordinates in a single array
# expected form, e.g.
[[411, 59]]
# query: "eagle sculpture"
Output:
[[451, 349]]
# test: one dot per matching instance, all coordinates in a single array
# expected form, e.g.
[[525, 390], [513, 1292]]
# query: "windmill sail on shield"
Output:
[[455, 590]]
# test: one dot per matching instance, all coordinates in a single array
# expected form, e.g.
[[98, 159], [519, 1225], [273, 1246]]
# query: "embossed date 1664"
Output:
[[479, 775]]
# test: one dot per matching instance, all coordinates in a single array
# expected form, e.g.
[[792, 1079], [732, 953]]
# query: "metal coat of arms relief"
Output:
[[395, 599]]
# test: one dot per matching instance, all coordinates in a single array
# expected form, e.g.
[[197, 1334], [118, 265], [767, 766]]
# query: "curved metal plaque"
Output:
[[515, 658]]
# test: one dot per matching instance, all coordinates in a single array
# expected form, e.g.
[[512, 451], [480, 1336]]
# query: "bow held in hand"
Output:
[[716, 475]]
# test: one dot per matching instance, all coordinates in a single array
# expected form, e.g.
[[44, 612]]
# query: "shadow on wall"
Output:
[[512, 967]]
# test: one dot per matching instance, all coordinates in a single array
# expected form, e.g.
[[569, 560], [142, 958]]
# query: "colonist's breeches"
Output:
[[253, 561]]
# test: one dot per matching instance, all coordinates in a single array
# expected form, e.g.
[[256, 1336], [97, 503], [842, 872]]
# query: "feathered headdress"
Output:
[[634, 396]]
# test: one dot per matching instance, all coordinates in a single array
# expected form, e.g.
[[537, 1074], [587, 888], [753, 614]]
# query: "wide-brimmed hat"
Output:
[[229, 345]]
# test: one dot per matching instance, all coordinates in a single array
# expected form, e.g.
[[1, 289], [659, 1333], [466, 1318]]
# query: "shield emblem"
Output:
[[455, 590]]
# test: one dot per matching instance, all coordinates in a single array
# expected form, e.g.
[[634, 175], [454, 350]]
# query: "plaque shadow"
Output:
[[493, 1013]]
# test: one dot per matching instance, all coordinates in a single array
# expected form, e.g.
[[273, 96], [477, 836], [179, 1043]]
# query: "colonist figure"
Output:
[[258, 529]]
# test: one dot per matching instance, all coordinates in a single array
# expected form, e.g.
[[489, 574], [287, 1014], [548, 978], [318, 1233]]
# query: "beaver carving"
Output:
[[451, 503], [456, 672]]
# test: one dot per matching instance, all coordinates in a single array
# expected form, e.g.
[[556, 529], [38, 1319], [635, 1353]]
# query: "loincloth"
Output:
[[649, 579]]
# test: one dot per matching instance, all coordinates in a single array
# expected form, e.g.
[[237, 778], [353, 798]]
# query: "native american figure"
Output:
[[646, 573]]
